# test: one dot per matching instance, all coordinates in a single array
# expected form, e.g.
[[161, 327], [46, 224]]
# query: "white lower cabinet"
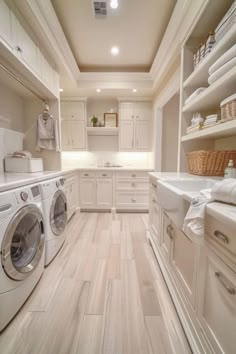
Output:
[[87, 192], [104, 193], [166, 237], [184, 261], [131, 200], [71, 192], [154, 216], [217, 303]]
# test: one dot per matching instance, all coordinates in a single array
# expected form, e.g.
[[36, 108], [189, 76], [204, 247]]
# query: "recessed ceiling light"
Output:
[[134, 90], [98, 90], [115, 50], [61, 90], [114, 4]]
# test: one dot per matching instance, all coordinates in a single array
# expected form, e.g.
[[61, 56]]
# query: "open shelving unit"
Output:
[[220, 136], [102, 131]]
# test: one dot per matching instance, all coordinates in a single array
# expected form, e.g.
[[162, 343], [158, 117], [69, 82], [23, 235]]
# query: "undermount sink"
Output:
[[170, 196]]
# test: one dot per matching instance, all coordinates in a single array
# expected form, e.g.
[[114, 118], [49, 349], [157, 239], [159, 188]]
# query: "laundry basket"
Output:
[[209, 163]]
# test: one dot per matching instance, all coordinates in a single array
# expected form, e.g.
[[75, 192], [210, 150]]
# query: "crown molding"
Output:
[[170, 89]]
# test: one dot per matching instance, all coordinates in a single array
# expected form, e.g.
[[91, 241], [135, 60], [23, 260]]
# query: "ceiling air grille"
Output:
[[100, 8]]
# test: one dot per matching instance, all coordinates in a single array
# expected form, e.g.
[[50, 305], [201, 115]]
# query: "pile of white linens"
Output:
[[194, 222], [225, 191], [226, 23], [225, 63]]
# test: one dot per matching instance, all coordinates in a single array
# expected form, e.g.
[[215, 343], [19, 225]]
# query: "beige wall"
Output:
[[170, 126], [98, 107]]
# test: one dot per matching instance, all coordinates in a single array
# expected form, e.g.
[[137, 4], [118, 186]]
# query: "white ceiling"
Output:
[[137, 27]]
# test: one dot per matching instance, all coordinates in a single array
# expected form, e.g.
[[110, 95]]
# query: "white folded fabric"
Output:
[[195, 93], [227, 56], [194, 222], [222, 70], [225, 191], [227, 16]]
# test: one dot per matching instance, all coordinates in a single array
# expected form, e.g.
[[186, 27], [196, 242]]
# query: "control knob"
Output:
[[24, 196]]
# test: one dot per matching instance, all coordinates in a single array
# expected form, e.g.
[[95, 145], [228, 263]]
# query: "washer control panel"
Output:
[[27, 195]]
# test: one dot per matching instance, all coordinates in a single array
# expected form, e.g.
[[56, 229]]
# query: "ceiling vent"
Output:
[[99, 8]]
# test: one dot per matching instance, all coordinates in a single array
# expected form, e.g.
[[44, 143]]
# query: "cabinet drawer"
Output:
[[131, 200], [222, 237], [132, 174], [128, 184], [87, 174], [104, 174], [217, 303]]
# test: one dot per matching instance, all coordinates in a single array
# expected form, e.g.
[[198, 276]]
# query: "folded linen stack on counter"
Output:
[[222, 65], [210, 121], [226, 23], [195, 94], [225, 191]]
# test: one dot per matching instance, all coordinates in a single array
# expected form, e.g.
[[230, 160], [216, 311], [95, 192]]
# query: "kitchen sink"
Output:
[[171, 196]]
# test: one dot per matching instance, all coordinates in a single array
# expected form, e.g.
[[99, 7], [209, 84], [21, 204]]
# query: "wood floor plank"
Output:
[[104, 244], [90, 337], [158, 335], [126, 249], [96, 299], [113, 264]]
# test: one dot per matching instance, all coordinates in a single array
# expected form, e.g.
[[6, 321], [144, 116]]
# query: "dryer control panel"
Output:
[[27, 195]]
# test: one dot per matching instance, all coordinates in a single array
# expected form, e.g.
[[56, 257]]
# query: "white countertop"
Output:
[[179, 175], [14, 180]]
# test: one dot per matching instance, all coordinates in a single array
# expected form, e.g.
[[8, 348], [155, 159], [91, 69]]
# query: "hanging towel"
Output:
[[227, 56], [222, 70], [194, 222], [47, 133], [225, 191]]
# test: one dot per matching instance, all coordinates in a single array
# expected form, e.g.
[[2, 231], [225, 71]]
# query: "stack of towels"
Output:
[[196, 93], [225, 63], [194, 222], [210, 121], [226, 23]]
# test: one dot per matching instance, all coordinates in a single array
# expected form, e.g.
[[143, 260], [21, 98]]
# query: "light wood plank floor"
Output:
[[103, 293]]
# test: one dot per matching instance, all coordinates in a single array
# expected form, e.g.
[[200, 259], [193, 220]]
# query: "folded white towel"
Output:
[[228, 55], [225, 191], [195, 94], [194, 222], [227, 16], [222, 70]]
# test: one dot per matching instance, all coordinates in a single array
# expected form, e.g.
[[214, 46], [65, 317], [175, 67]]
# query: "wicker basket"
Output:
[[228, 108], [209, 163]]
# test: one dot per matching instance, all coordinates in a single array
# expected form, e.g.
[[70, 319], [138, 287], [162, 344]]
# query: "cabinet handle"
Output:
[[154, 200], [19, 49], [169, 230], [154, 185], [136, 116], [86, 174], [132, 117], [133, 175], [222, 237], [224, 281], [137, 142], [133, 184], [104, 174]]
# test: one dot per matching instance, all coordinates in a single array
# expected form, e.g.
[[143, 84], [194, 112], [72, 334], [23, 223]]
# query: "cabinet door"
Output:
[[126, 111], [6, 24], [166, 237], [65, 135], [73, 110], [184, 262], [142, 135], [104, 193], [154, 218], [126, 135], [143, 111], [78, 137], [46, 72], [87, 192], [26, 49], [217, 303]]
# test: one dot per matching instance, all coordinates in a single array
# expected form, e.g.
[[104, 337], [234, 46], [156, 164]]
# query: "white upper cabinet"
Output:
[[19, 48], [73, 110], [135, 124], [6, 32]]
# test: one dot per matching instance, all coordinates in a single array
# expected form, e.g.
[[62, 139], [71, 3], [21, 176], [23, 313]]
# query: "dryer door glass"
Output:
[[23, 243], [58, 214]]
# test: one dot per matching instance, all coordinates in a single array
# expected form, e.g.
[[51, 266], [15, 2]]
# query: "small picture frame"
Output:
[[110, 120]]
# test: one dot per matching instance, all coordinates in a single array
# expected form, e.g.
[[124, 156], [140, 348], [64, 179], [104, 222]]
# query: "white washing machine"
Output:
[[22, 247], [55, 216]]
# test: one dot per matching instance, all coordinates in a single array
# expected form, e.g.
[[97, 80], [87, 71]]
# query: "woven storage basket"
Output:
[[209, 163], [228, 108]]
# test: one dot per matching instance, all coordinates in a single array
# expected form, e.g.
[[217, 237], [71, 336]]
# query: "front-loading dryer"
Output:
[[55, 216], [22, 247]]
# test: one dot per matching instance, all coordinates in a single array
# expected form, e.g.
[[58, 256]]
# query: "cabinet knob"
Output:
[[19, 49], [133, 200], [133, 184]]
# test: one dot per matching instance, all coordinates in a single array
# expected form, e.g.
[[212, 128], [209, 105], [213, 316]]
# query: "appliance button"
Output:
[[24, 196]]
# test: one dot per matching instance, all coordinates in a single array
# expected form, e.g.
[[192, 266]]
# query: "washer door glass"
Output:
[[23, 243], [58, 214]]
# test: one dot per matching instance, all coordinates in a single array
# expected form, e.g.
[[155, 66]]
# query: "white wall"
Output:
[[170, 126], [99, 106], [11, 110]]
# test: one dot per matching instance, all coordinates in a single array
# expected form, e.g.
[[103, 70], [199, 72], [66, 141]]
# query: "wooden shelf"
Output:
[[214, 94], [199, 76], [218, 131], [102, 131]]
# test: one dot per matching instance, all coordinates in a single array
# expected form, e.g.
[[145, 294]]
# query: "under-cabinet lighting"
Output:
[[61, 90], [134, 90], [115, 50], [114, 4], [98, 90]]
